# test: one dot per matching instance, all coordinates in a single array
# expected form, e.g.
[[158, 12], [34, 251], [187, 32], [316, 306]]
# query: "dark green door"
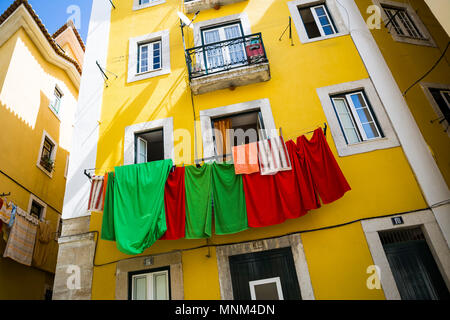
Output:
[[265, 273], [415, 271]]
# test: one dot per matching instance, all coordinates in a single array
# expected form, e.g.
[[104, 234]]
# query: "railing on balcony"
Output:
[[225, 55]]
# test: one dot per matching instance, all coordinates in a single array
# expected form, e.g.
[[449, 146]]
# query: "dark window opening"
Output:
[[36, 209], [149, 146], [442, 98], [415, 271], [237, 130], [317, 21]]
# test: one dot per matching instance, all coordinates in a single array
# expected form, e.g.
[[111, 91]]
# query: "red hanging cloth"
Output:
[[174, 205], [308, 195], [263, 207], [271, 199], [329, 181]]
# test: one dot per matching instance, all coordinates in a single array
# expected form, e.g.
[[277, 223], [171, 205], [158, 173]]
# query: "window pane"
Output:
[[160, 286], [328, 30], [140, 288], [266, 291], [320, 11], [351, 135], [346, 120], [310, 24], [364, 115]]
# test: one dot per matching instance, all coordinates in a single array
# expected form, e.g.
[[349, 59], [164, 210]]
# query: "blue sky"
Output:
[[54, 13]]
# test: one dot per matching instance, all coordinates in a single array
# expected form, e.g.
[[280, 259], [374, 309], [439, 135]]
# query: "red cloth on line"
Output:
[[263, 207], [308, 196], [175, 205], [329, 181]]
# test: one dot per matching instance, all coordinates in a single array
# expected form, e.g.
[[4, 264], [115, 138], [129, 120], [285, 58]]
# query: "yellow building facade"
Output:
[[32, 70], [314, 53]]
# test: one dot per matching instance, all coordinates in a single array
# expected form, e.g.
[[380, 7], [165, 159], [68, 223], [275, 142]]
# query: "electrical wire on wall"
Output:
[[209, 244]]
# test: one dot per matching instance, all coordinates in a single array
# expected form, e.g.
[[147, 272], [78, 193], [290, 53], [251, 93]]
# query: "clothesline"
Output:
[[183, 198], [198, 161]]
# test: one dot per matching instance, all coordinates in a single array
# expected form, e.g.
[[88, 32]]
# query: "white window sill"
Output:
[[55, 113], [419, 42], [137, 6], [148, 75], [331, 36], [50, 174]]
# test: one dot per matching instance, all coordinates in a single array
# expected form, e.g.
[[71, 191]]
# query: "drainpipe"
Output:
[[428, 175]]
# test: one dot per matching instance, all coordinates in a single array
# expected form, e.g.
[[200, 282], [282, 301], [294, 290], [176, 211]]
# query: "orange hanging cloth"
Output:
[[245, 158], [223, 137]]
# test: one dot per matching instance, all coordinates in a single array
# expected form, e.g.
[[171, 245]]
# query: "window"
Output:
[[255, 115], [149, 141], [236, 130], [149, 57], [149, 146], [150, 286], [266, 289], [402, 22], [36, 209], [356, 117], [141, 4], [413, 266], [222, 55], [317, 21], [46, 155], [442, 99], [55, 105]]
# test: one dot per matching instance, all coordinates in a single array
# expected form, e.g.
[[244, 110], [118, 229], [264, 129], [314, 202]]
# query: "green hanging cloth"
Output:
[[230, 212], [198, 201], [108, 211], [139, 216]]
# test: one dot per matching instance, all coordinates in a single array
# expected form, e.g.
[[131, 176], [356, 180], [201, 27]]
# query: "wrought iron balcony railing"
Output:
[[225, 55]]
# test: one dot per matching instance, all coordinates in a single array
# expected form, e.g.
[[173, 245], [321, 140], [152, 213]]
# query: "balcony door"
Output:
[[227, 54]]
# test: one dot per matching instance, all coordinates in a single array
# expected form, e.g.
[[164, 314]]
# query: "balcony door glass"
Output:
[[224, 54]]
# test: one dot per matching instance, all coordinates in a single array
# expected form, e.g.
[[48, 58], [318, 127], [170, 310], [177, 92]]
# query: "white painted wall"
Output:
[[86, 131]]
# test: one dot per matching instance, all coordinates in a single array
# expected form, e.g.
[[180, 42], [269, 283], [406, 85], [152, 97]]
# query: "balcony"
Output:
[[227, 64], [191, 6]]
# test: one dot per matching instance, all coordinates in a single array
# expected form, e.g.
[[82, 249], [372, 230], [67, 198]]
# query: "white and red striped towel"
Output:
[[96, 194], [273, 156]]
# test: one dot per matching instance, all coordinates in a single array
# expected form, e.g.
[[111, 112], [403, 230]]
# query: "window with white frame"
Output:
[[150, 146], [141, 4], [47, 154], [357, 119], [219, 56], [55, 104], [316, 20], [403, 22], [149, 56], [442, 99], [256, 115], [266, 289], [150, 285], [149, 141], [36, 207]]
